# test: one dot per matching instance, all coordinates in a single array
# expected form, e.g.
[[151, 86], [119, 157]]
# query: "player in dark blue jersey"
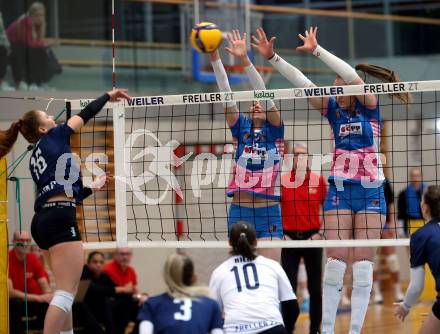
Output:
[[184, 308], [54, 227], [425, 249], [355, 205]]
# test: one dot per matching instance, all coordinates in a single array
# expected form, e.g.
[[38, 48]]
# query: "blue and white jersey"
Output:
[[52, 149], [257, 161], [356, 143], [425, 248], [184, 316], [250, 293]]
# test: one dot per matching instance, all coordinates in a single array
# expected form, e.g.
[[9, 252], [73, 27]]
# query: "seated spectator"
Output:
[[37, 292], [98, 302], [4, 50], [32, 60], [123, 275]]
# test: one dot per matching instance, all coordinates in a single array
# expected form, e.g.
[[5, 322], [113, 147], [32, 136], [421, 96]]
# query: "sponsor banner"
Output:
[[278, 94]]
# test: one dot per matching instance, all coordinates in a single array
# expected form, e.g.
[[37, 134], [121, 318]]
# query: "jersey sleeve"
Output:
[[331, 109], [285, 290], [240, 124], [417, 248], [145, 313], [214, 288], [61, 133], [216, 319]]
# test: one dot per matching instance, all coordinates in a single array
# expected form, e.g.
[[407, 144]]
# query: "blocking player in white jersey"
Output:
[[253, 291]]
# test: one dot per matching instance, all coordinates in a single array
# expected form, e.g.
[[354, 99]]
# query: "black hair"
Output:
[[187, 271], [92, 254], [432, 198], [243, 238]]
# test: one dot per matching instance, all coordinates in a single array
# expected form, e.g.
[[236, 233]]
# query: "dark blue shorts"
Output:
[[266, 220], [356, 198]]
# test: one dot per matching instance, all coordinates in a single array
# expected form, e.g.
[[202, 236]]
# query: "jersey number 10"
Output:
[[247, 282]]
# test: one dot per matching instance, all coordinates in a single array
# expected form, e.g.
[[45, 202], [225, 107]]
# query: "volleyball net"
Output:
[[172, 159]]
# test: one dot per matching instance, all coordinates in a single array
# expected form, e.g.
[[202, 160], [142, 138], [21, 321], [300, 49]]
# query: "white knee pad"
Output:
[[362, 273], [393, 263], [63, 300], [334, 272]]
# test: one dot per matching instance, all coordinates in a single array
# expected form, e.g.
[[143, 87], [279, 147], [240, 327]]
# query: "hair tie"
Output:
[[242, 234]]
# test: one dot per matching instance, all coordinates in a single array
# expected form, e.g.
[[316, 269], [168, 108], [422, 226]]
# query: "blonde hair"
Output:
[[384, 75], [178, 274], [38, 32]]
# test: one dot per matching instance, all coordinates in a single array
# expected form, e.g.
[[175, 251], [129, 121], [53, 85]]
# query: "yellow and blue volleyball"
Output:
[[206, 37]]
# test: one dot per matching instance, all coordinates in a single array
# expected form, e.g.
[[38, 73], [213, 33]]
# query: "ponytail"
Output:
[[28, 126], [243, 239], [385, 75], [8, 138], [178, 275]]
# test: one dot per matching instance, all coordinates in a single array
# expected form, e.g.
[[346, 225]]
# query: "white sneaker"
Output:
[[23, 86], [4, 86], [378, 299], [46, 87], [35, 88]]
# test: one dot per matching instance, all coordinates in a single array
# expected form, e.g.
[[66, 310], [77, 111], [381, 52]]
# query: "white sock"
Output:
[[67, 332], [360, 296], [376, 288], [333, 282]]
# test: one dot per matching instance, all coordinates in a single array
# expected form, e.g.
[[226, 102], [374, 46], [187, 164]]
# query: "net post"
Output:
[[68, 110], [120, 177]]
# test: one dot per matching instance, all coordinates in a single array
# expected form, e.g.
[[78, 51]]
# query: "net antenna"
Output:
[[160, 146]]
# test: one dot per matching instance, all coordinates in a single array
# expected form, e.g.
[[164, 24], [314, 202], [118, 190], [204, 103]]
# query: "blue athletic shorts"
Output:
[[267, 220], [356, 198]]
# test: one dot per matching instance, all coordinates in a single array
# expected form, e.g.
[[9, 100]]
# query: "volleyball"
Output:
[[206, 37]]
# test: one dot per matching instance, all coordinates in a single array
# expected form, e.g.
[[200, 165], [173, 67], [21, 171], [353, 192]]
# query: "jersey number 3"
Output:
[[185, 312], [247, 268], [38, 163]]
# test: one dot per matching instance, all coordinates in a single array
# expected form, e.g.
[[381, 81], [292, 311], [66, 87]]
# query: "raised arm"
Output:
[[231, 110], [340, 67], [76, 122], [290, 72], [237, 47]]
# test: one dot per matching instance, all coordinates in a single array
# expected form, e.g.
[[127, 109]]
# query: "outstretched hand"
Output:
[[237, 44], [100, 181], [118, 94], [264, 46], [310, 41], [400, 311]]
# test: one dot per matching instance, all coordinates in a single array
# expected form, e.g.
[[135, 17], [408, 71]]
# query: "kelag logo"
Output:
[[83, 103], [264, 95]]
